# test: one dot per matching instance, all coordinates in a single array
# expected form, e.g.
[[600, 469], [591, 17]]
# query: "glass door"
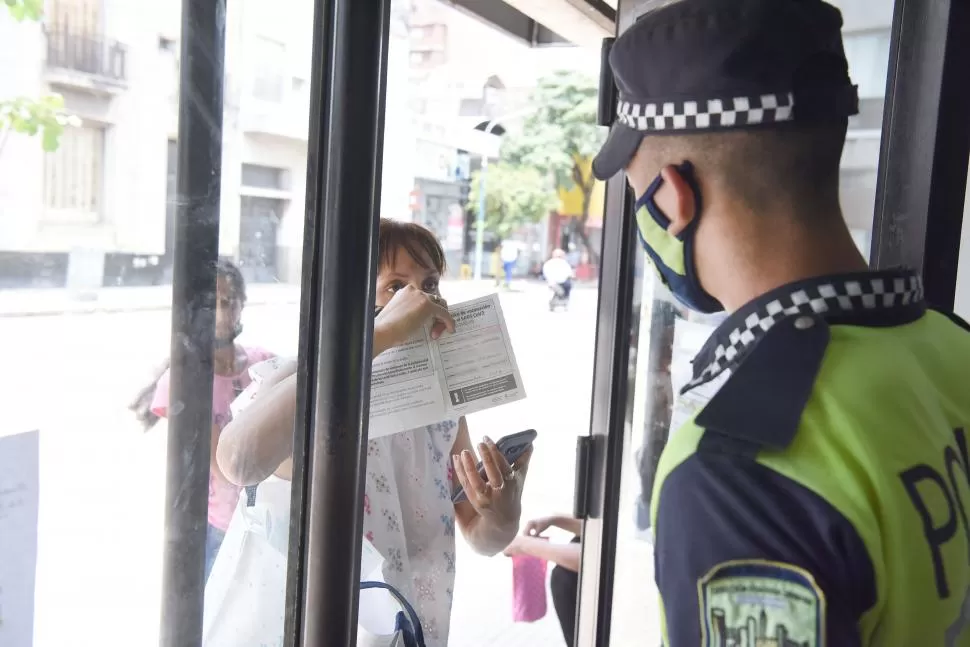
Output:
[[646, 341]]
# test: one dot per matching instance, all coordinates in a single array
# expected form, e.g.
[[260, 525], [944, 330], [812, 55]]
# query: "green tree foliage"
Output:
[[27, 116], [31, 117], [25, 9], [514, 196], [560, 136]]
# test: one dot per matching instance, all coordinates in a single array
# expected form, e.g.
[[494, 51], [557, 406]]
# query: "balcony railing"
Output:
[[94, 55]]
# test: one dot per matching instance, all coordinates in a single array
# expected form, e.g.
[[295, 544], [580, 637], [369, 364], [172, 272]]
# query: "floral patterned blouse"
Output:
[[409, 517]]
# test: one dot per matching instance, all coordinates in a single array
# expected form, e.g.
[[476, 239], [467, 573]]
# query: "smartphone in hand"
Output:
[[512, 447]]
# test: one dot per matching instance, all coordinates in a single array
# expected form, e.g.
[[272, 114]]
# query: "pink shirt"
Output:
[[223, 495]]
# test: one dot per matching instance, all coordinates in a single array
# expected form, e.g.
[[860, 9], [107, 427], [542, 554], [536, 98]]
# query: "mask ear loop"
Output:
[[686, 170]]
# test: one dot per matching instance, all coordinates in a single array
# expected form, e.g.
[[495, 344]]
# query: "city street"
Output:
[[102, 478]]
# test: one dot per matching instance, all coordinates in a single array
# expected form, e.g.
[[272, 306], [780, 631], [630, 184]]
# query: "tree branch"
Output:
[[578, 176]]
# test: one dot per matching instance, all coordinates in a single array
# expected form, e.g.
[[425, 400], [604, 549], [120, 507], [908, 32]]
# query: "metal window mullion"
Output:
[[611, 386], [922, 175], [344, 159], [198, 182], [608, 417]]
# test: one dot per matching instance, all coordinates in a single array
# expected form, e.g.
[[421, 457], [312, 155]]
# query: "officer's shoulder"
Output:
[[760, 406], [953, 317]]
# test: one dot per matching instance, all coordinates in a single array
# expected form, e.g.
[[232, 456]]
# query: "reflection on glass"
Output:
[[88, 251], [89, 257], [663, 365], [962, 301], [411, 509]]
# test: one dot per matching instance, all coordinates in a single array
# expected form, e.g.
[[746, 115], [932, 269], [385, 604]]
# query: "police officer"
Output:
[[817, 490]]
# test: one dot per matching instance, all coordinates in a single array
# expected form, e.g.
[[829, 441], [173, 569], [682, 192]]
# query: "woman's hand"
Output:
[[516, 548], [407, 311], [496, 501], [536, 527]]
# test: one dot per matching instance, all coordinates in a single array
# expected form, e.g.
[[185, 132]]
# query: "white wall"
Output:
[[397, 177], [135, 176], [21, 53]]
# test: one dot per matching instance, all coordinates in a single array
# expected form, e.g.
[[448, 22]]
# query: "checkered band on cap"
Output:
[[706, 114], [820, 299]]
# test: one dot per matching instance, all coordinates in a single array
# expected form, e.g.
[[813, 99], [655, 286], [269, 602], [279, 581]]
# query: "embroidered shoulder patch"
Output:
[[756, 602]]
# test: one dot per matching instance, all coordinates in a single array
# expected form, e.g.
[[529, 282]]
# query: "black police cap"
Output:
[[707, 65]]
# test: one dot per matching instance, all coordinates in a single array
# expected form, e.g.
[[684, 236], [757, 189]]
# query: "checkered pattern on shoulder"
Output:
[[707, 114], [881, 291]]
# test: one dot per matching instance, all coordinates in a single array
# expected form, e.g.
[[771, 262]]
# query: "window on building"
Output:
[[418, 58], [77, 17], [74, 176], [268, 72], [868, 54], [263, 177]]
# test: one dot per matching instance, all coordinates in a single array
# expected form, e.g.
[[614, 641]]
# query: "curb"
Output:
[[94, 309], [96, 306]]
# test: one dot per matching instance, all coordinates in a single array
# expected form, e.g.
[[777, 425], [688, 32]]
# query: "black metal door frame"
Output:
[[345, 152], [925, 145], [344, 161], [917, 222], [198, 183], [599, 459]]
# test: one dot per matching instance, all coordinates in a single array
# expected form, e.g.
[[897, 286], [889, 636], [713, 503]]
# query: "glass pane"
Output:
[[961, 303], [667, 337], [87, 240], [447, 108]]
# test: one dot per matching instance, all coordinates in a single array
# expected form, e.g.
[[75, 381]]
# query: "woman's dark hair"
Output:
[[417, 241], [230, 272]]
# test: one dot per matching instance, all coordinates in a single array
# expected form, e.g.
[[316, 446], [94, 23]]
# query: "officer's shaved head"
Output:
[[791, 165]]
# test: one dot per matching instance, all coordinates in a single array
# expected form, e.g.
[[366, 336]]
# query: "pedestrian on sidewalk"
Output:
[[231, 362], [510, 254], [497, 266], [559, 275]]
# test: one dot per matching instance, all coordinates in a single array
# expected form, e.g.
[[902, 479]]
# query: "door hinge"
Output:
[[581, 495]]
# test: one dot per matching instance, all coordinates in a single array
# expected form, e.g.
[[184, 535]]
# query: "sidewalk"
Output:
[[56, 301]]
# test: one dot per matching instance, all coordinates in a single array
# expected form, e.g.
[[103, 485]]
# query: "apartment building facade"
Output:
[[101, 209]]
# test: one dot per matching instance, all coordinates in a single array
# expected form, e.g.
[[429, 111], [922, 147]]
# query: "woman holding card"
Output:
[[409, 515]]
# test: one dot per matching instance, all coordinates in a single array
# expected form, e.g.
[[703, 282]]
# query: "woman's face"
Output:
[[406, 271], [228, 310]]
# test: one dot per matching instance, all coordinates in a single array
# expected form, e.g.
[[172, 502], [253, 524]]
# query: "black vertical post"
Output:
[[345, 152], [925, 145], [611, 387], [198, 180], [608, 415]]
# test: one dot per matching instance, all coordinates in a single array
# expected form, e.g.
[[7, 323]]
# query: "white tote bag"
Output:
[[245, 594]]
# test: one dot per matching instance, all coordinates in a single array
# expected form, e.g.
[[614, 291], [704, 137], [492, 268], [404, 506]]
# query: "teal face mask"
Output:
[[673, 256]]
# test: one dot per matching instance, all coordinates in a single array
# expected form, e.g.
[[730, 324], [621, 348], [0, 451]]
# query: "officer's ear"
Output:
[[675, 199]]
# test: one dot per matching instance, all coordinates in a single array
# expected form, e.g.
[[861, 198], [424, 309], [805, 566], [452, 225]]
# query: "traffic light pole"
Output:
[[480, 218]]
